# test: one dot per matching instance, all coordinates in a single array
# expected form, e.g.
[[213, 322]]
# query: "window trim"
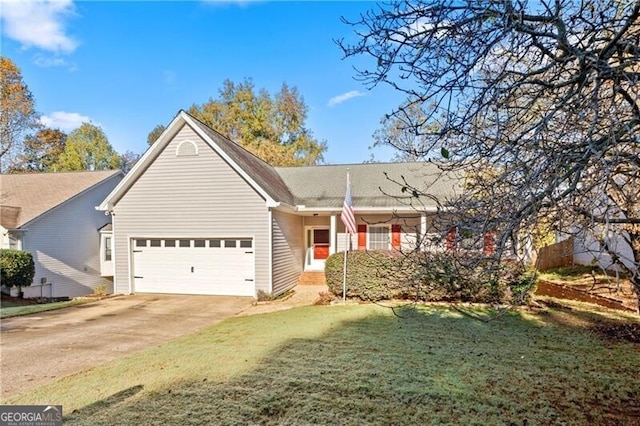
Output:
[[108, 248], [389, 236]]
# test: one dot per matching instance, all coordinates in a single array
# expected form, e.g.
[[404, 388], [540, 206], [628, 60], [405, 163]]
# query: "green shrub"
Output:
[[428, 276], [16, 268]]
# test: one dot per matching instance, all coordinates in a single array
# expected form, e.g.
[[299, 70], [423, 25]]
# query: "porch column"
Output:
[[423, 228], [332, 234]]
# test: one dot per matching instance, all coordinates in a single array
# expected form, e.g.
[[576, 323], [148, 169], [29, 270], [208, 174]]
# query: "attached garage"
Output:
[[212, 266]]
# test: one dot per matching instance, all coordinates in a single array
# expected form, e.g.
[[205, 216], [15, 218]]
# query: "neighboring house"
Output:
[[588, 250], [53, 216], [199, 214]]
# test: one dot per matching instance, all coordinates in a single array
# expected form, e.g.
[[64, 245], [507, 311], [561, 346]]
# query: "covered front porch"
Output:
[[324, 234]]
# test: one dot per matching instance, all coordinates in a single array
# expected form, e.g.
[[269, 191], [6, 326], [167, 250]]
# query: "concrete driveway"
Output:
[[37, 348]]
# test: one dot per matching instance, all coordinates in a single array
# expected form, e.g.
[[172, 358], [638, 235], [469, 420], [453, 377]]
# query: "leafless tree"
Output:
[[536, 102]]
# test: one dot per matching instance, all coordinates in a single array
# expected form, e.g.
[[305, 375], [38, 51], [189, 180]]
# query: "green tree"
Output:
[[17, 112], [41, 151], [87, 148], [270, 126], [155, 134]]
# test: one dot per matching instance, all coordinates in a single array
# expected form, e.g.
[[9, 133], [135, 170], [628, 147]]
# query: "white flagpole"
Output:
[[346, 250], [344, 268]]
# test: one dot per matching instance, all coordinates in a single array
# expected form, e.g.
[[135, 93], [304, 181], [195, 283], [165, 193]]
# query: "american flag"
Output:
[[347, 216]]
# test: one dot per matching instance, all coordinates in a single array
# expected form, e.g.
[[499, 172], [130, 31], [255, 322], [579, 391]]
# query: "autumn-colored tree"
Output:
[[40, 151], [270, 126], [87, 148], [155, 134], [17, 112]]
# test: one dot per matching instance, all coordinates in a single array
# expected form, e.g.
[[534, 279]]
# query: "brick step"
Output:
[[312, 278]]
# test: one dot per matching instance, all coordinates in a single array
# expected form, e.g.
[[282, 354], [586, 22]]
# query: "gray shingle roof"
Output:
[[371, 184], [24, 197]]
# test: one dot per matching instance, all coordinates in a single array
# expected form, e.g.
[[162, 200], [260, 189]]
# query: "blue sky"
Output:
[[128, 66]]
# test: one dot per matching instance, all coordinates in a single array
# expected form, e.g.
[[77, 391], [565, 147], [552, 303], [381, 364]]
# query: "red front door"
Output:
[[320, 244]]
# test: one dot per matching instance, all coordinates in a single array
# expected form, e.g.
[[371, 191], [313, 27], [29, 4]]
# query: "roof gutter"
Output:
[[280, 206], [304, 208]]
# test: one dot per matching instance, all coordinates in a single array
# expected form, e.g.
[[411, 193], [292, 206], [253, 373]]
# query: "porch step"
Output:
[[312, 278]]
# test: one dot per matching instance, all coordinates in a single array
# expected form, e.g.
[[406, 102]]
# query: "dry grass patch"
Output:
[[360, 364]]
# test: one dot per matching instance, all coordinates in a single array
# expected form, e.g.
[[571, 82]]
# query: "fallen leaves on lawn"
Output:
[[625, 332]]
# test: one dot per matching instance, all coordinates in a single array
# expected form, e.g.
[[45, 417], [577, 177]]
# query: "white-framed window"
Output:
[[107, 249], [379, 237]]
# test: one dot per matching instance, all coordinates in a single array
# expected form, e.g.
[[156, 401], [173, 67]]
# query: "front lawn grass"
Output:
[[361, 364], [12, 309], [579, 273]]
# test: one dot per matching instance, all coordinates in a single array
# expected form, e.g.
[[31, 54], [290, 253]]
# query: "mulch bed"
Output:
[[563, 291], [618, 331]]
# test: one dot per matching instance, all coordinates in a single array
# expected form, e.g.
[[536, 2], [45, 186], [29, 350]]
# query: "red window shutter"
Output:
[[362, 237], [395, 236], [489, 244], [451, 239]]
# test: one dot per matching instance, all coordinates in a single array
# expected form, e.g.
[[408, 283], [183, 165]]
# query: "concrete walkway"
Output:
[[303, 295]]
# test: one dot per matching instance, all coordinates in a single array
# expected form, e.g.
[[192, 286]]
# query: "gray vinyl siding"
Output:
[[288, 251], [65, 244], [190, 196]]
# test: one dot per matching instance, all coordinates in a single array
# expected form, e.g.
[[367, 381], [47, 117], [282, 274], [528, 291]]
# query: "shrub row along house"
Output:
[[199, 214]]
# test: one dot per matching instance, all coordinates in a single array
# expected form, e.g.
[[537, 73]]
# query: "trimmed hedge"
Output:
[[16, 268], [438, 276]]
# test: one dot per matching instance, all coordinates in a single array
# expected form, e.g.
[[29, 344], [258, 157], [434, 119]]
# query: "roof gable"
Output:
[[259, 175], [27, 196]]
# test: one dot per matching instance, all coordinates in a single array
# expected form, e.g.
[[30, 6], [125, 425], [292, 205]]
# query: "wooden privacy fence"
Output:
[[555, 255]]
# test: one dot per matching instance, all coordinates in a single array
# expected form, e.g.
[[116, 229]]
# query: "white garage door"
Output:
[[217, 266]]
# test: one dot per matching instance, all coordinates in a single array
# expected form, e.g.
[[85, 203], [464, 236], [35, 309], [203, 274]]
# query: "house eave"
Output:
[[281, 206], [366, 209]]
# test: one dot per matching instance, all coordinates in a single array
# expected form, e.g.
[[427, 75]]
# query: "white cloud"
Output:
[[38, 23], [44, 61], [65, 121], [336, 100]]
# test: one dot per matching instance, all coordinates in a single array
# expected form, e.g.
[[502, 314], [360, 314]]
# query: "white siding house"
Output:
[[199, 214]]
